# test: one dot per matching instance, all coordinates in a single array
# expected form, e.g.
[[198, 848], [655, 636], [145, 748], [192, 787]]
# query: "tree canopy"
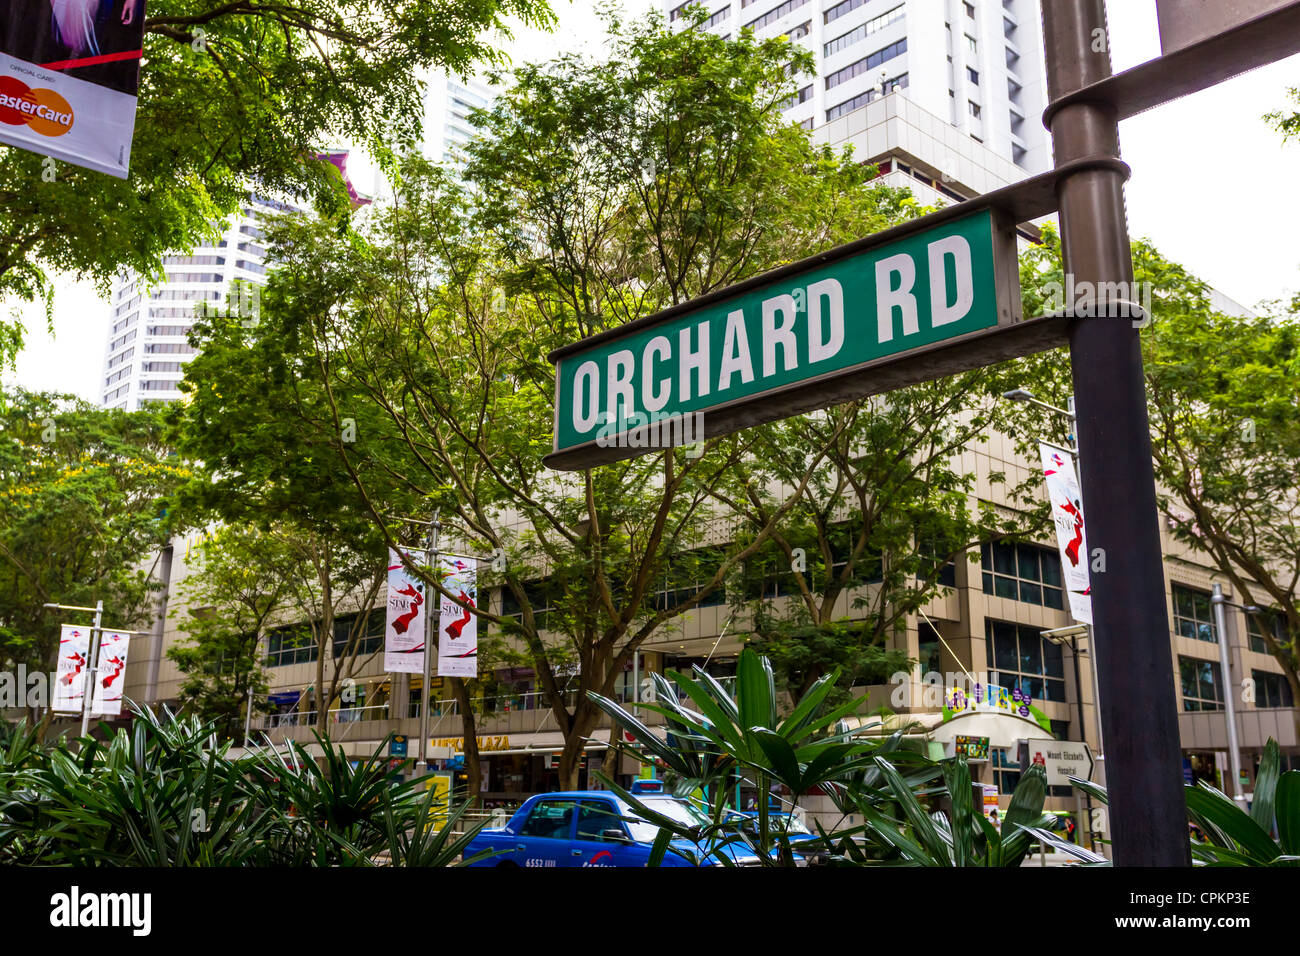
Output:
[[232, 95]]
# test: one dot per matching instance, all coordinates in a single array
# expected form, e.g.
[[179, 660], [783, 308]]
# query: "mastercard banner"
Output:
[[69, 74]]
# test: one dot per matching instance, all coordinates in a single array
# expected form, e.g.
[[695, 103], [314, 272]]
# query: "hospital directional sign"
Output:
[[916, 302]]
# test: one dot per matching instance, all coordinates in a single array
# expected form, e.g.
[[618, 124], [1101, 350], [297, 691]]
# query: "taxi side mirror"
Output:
[[615, 833]]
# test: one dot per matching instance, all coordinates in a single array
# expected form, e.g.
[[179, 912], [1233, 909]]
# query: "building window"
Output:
[[539, 599], [717, 18], [974, 108], [862, 99], [971, 46], [1006, 769], [290, 645], [801, 31], [776, 13], [973, 76], [1193, 614], [801, 97], [848, 6], [928, 647], [1202, 684], [1255, 624], [1271, 690], [873, 25], [969, 8], [866, 63], [1019, 657], [806, 124], [1023, 572], [368, 643]]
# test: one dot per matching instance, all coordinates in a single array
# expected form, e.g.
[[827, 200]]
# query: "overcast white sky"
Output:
[[1213, 187]]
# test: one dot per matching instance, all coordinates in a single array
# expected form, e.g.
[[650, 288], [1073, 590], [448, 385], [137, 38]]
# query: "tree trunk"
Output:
[[586, 716], [324, 641], [469, 727]]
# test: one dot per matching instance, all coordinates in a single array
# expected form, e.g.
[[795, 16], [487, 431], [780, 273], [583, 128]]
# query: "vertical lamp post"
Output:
[[429, 632], [1229, 704]]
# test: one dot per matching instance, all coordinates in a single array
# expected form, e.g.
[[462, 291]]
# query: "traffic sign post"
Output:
[[1130, 623]]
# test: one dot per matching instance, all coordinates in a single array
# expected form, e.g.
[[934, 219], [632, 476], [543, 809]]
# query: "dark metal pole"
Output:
[[1148, 817]]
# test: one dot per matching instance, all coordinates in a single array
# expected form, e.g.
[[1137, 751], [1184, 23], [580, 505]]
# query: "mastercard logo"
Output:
[[45, 111]]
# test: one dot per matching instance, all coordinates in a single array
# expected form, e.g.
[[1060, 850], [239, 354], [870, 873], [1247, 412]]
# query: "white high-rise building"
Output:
[[147, 345], [447, 105], [970, 71]]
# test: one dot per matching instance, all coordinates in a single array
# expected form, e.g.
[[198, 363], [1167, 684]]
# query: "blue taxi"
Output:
[[597, 828]]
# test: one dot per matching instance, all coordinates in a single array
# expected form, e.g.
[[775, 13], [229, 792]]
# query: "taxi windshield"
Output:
[[676, 810]]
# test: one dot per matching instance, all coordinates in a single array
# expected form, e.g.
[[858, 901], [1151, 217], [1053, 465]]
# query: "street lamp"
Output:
[[1026, 396], [1229, 705]]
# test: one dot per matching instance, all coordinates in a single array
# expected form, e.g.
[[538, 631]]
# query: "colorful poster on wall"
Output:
[[457, 624], [69, 74], [440, 783], [74, 663], [1071, 536], [110, 673], [405, 620]]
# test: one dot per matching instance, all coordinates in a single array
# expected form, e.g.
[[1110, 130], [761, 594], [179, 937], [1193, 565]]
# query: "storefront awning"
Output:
[[1002, 729]]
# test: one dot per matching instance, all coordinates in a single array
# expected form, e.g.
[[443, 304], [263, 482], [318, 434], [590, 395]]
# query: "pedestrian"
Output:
[[993, 819]]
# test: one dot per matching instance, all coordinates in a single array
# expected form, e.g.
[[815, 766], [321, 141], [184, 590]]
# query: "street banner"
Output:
[[69, 74], [404, 630], [457, 625], [110, 673], [1071, 537], [74, 662]]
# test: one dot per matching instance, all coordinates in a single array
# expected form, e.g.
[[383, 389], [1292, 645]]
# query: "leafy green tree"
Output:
[[233, 94], [872, 535], [229, 600], [258, 420], [84, 508], [599, 193], [1225, 434]]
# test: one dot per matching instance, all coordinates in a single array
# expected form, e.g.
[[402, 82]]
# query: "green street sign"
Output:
[[831, 328]]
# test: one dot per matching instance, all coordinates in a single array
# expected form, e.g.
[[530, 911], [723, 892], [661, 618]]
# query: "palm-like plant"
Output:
[[741, 732], [915, 835], [1233, 836], [162, 795]]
